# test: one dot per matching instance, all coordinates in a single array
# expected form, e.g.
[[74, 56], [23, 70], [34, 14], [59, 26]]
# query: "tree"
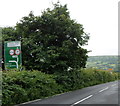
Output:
[[53, 41], [9, 33]]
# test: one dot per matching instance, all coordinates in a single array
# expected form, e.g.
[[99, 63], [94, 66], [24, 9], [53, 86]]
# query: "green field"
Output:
[[103, 62]]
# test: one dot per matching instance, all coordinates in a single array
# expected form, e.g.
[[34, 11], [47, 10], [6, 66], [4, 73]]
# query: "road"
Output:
[[100, 94]]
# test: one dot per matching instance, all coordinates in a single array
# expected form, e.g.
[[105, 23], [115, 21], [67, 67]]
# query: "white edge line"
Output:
[[41, 99], [27, 102], [113, 85], [104, 89], [82, 100]]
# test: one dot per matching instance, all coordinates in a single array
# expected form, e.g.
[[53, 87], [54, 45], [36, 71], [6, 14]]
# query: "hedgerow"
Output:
[[83, 78], [23, 86]]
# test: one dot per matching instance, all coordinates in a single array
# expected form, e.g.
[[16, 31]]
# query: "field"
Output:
[[103, 62]]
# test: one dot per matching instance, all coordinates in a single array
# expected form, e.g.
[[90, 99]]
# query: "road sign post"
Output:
[[12, 54]]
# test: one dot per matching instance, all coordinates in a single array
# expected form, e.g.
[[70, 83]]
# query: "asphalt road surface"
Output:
[[100, 94]]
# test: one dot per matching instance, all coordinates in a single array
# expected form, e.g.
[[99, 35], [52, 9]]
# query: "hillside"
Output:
[[103, 62]]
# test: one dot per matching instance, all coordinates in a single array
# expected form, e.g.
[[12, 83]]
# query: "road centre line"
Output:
[[90, 96], [104, 89], [82, 100]]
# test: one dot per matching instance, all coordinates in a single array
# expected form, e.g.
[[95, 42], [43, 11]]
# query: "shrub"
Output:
[[73, 80], [22, 86]]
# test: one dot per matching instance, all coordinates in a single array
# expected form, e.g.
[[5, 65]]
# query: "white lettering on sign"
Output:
[[13, 44], [11, 52], [15, 56]]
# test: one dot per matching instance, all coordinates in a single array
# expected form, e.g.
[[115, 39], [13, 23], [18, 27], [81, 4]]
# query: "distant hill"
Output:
[[103, 62]]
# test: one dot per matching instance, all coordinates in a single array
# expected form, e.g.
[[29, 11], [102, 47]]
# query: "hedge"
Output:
[[83, 78], [23, 86]]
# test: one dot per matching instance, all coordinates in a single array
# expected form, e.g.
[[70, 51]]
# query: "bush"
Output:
[[22, 86], [83, 78]]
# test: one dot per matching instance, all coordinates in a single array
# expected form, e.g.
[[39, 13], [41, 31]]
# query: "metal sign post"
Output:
[[12, 54]]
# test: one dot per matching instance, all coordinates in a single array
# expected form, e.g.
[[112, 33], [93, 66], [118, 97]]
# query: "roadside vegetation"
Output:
[[53, 56], [23, 86], [0, 87]]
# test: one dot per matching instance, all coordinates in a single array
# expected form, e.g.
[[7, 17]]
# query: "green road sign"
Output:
[[12, 54]]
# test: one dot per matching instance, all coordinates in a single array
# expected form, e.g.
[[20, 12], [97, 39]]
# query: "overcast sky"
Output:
[[98, 17]]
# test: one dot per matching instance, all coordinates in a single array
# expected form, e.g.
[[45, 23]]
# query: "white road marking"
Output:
[[28, 102], [113, 85], [82, 100], [104, 89]]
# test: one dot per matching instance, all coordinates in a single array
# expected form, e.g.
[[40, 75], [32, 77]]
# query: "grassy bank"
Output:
[[23, 86]]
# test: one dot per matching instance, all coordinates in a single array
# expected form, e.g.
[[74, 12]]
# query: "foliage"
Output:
[[53, 44], [0, 87], [98, 76], [22, 86], [9, 33], [50, 42], [83, 78]]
